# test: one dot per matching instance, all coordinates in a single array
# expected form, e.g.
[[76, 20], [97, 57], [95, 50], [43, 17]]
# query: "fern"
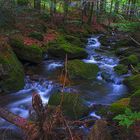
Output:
[[128, 118]]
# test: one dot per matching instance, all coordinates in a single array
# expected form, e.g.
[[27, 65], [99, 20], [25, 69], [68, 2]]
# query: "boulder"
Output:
[[78, 69], [61, 47], [119, 106], [73, 106], [32, 53], [133, 82], [121, 69], [135, 101], [11, 70], [132, 59], [100, 131]]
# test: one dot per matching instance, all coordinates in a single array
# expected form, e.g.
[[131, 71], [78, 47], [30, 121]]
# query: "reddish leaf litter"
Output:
[[30, 41], [50, 37]]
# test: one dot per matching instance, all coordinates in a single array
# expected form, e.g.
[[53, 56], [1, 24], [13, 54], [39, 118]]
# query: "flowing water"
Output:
[[107, 87]]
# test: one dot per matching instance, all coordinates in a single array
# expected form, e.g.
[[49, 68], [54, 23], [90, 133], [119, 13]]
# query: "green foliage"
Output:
[[128, 118], [128, 26], [36, 35]]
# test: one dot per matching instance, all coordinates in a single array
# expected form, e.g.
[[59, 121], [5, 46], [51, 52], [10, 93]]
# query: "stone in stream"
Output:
[[100, 131], [121, 69], [11, 70], [78, 69], [61, 47], [32, 53], [73, 106], [119, 106], [133, 82]]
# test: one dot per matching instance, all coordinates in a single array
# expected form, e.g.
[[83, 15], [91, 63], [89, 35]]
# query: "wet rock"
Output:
[[119, 106], [133, 59], [135, 101], [106, 76], [31, 53], [78, 69], [100, 131], [121, 69], [11, 70], [60, 47], [133, 82], [72, 106], [35, 77]]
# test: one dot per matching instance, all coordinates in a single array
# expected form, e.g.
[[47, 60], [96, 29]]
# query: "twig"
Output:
[[135, 41], [134, 69]]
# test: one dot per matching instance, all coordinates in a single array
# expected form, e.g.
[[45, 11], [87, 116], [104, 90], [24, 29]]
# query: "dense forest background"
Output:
[[70, 69]]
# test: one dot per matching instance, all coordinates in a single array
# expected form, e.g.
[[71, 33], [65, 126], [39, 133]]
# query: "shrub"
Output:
[[128, 118]]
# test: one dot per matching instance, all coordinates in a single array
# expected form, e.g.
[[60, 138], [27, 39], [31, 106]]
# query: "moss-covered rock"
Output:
[[78, 69], [32, 53], [119, 106], [135, 101], [133, 82], [133, 59], [73, 106], [36, 35], [130, 60], [75, 40], [121, 69], [11, 70], [61, 47]]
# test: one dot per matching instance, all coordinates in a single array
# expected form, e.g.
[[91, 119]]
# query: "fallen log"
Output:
[[16, 120]]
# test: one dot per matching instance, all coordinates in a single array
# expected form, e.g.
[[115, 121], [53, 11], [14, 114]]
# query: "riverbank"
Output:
[[97, 65]]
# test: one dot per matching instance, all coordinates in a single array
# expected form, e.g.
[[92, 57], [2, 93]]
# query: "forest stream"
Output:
[[107, 87]]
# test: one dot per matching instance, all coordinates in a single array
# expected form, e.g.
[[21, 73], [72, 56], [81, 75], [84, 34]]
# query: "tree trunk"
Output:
[[91, 13], [66, 6], [37, 4]]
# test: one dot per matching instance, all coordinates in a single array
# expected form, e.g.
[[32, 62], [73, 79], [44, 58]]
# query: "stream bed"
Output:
[[107, 87]]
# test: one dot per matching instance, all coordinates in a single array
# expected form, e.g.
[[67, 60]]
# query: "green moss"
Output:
[[78, 69], [75, 40], [133, 82], [73, 106], [121, 69], [36, 35], [132, 59], [119, 106], [12, 75], [61, 47], [135, 101], [32, 53]]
